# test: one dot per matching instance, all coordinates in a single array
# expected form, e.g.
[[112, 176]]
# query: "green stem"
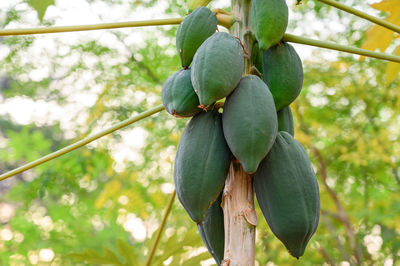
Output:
[[156, 22], [363, 15], [82, 142], [160, 230], [343, 48]]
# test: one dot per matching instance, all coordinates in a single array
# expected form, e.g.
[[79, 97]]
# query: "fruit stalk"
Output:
[[240, 218]]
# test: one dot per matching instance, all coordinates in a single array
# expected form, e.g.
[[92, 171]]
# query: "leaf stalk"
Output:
[[356, 12], [102, 26], [82, 142], [161, 229], [338, 47]]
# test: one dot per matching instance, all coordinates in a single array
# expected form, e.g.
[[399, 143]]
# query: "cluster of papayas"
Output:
[[255, 127]]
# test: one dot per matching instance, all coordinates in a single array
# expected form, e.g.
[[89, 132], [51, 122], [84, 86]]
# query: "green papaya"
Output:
[[283, 73], [212, 231], [178, 96], [193, 31], [285, 120], [250, 122], [256, 57], [201, 164], [287, 191], [269, 20], [217, 67]]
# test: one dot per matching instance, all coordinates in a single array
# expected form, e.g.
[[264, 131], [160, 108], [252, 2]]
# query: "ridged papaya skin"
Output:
[[285, 120], [178, 96], [217, 67], [269, 19], [193, 31], [287, 192], [250, 122], [283, 73], [212, 231], [201, 164]]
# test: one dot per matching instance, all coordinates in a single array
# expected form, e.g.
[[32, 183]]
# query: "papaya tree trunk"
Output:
[[240, 218]]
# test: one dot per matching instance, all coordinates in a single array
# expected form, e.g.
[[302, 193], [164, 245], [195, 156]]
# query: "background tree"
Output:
[[103, 204]]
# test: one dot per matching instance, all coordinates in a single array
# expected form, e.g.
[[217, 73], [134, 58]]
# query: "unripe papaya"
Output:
[[193, 31], [217, 67], [285, 120], [269, 19], [287, 192], [283, 73], [201, 164], [178, 96], [212, 231], [256, 57], [250, 122]]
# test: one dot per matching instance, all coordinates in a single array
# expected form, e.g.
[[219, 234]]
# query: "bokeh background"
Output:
[[103, 203]]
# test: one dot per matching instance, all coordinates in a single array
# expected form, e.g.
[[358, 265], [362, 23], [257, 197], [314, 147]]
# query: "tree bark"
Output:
[[240, 218]]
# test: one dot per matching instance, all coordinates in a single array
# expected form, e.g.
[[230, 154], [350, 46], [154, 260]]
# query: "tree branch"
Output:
[[324, 254]]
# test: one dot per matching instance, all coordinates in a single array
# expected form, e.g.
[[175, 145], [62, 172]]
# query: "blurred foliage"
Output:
[[92, 207]]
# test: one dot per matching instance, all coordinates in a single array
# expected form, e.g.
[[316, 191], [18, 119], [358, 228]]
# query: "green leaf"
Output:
[[40, 6], [111, 256], [91, 256], [174, 246], [127, 252], [194, 261]]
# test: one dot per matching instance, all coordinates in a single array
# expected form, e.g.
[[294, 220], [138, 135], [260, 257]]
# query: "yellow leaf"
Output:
[[392, 68], [386, 5], [379, 37]]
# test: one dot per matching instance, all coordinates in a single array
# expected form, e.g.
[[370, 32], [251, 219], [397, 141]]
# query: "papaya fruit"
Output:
[[283, 73], [193, 31], [201, 164], [250, 122], [178, 96], [285, 120], [256, 57], [217, 68], [269, 20], [212, 231], [287, 191]]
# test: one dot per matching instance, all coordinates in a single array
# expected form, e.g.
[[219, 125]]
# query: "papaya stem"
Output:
[[240, 218], [82, 142], [254, 71], [361, 14], [343, 48]]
